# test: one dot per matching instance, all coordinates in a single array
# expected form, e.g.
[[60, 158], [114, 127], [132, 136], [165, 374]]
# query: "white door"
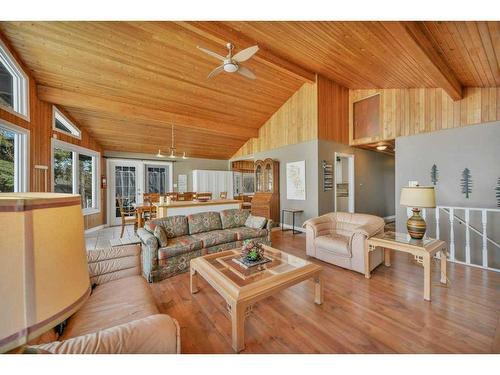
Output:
[[124, 182]]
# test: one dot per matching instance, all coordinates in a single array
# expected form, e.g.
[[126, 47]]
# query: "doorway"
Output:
[[343, 187], [130, 179]]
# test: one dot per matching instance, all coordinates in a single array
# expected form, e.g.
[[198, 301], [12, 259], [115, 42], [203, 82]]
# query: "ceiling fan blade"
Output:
[[213, 54], [245, 54], [246, 72], [216, 71]]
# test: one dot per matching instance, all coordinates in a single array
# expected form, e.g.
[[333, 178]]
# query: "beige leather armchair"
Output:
[[339, 238]]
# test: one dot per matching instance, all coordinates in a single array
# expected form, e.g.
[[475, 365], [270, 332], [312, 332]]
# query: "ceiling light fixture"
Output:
[[173, 149], [382, 147], [159, 154]]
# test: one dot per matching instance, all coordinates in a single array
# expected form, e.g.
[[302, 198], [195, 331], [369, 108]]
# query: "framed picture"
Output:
[[296, 180]]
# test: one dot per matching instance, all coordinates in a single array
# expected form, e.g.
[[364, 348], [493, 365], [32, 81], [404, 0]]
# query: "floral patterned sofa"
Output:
[[169, 243]]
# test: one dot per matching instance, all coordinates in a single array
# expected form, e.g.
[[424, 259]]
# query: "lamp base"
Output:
[[416, 225]]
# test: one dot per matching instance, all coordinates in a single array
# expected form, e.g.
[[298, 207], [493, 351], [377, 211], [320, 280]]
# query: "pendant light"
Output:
[[172, 148]]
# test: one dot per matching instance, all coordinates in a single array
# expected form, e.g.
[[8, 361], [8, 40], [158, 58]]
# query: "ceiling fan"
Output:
[[231, 64]]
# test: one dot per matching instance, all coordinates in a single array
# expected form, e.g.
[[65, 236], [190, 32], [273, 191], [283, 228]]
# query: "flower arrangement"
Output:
[[252, 251]]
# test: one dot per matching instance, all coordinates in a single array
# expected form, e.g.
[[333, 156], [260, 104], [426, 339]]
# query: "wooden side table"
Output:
[[424, 249], [293, 211]]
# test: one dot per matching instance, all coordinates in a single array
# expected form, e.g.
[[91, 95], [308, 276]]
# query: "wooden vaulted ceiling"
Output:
[[127, 82]]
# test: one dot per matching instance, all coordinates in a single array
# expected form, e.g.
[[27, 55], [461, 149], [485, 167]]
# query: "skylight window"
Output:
[[63, 125]]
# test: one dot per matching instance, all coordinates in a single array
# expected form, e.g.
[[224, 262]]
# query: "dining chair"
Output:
[[127, 214]]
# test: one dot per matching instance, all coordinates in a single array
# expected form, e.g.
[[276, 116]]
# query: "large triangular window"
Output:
[[64, 125]]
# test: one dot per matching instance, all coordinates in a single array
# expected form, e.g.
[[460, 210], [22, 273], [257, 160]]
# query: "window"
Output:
[[13, 158], [13, 85], [76, 171], [63, 125], [156, 179]]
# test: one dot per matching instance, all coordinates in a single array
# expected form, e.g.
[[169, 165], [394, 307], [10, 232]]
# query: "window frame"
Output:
[[21, 105], [96, 168], [57, 114], [21, 153]]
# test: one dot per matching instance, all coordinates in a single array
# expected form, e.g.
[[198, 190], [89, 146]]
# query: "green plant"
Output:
[[252, 251]]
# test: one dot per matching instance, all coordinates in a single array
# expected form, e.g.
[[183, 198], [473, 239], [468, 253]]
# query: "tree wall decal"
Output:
[[434, 174], [498, 192], [466, 182]]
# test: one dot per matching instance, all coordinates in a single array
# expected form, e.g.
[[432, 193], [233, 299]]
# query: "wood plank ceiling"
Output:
[[127, 82]]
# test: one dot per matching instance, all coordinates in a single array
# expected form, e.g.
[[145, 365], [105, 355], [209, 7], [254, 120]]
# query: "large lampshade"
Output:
[[43, 265], [418, 196]]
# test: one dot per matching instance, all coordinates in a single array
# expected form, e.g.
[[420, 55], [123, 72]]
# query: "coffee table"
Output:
[[242, 287], [423, 250]]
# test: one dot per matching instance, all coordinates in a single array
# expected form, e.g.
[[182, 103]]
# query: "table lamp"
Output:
[[43, 265], [417, 197]]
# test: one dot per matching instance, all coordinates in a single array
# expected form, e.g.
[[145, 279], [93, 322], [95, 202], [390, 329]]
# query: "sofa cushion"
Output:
[[256, 222], [175, 226], [204, 222], [110, 304], [334, 243], [161, 234], [233, 218], [215, 237], [179, 245], [245, 233]]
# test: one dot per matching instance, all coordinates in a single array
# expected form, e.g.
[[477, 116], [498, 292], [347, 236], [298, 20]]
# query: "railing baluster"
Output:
[[485, 238], [437, 223], [452, 235], [467, 236]]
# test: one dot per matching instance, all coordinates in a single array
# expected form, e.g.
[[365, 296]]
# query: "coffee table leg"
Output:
[[318, 290], [443, 267], [193, 280], [427, 277], [238, 326]]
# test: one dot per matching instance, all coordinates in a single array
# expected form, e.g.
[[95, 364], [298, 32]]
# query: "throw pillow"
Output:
[[150, 226], [256, 222], [161, 235]]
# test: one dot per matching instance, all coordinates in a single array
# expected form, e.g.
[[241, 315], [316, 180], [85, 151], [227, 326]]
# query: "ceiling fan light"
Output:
[[230, 67]]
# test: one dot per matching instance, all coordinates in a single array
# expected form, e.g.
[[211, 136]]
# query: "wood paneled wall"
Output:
[[333, 114], [40, 127], [406, 112], [296, 121], [315, 111]]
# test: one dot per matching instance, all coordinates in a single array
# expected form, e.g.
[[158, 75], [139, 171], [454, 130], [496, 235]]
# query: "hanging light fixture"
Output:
[[184, 155], [159, 154], [172, 148]]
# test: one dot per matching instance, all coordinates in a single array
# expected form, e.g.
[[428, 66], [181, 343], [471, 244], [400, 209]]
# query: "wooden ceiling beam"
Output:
[[412, 36], [221, 34], [139, 112]]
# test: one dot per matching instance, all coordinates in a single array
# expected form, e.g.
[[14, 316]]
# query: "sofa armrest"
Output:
[[113, 263], [269, 227], [151, 335], [320, 225], [149, 253]]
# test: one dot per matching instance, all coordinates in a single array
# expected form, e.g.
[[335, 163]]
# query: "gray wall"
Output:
[[180, 166], [475, 147], [374, 176], [307, 151]]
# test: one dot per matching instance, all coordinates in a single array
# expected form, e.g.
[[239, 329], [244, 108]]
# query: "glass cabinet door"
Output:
[[258, 178], [269, 177]]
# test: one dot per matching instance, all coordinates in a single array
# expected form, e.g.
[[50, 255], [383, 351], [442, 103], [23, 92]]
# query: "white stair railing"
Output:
[[452, 217]]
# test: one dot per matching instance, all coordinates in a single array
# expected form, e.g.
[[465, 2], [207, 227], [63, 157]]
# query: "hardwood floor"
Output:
[[386, 314]]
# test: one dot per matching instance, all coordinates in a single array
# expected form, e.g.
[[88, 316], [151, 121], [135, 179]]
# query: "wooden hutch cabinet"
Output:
[[266, 201]]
